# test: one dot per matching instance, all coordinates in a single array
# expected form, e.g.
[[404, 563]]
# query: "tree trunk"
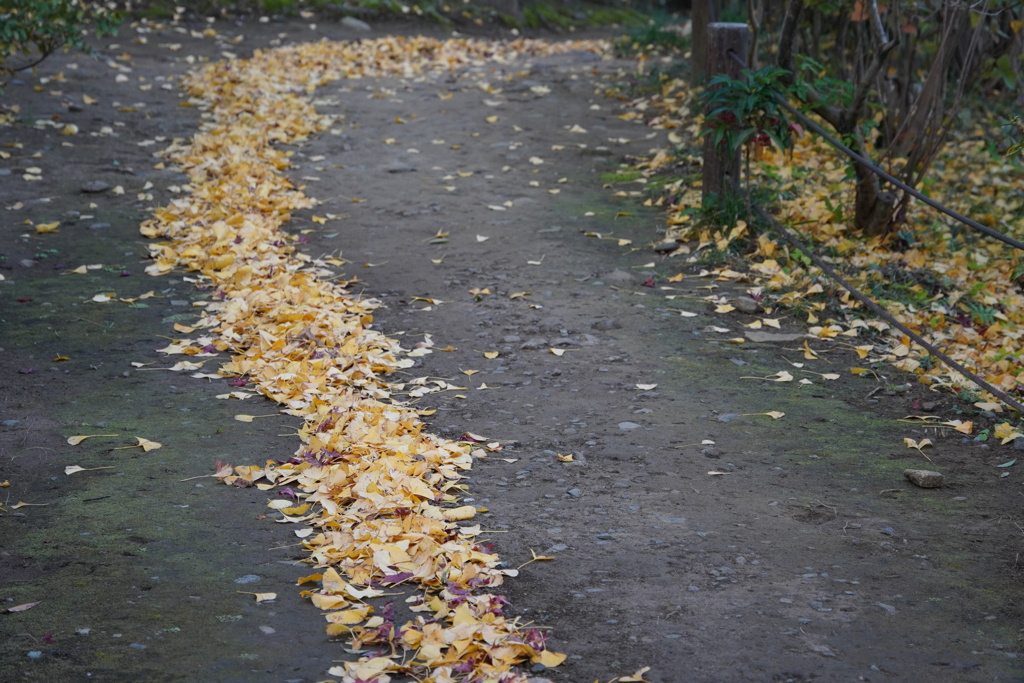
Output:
[[705, 12], [873, 209]]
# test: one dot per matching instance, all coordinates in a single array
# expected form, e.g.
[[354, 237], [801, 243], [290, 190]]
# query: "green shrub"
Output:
[[31, 30]]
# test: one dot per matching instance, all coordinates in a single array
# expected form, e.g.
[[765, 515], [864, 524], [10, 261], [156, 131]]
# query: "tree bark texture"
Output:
[[721, 166], [705, 13]]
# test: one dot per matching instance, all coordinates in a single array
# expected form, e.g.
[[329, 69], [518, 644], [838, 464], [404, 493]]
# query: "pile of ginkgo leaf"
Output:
[[960, 290], [378, 493]]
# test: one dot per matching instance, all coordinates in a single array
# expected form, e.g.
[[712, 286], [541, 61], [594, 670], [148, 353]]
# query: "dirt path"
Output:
[[786, 550]]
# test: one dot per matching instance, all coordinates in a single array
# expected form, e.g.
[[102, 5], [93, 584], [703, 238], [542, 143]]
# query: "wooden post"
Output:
[[719, 164]]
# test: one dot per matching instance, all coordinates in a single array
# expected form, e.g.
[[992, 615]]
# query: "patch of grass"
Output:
[[659, 34], [626, 176]]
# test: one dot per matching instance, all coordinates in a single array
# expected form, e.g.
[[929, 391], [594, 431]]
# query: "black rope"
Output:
[[790, 237], [867, 163], [793, 240]]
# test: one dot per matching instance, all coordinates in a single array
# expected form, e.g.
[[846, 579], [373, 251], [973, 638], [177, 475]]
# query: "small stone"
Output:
[[666, 247], [773, 337], [95, 186], [99, 226], [575, 493], [269, 630], [399, 167], [1018, 444], [534, 343], [357, 24], [626, 426], [619, 276], [744, 304], [889, 609], [248, 578], [606, 325], [35, 654], [929, 406], [926, 479], [11, 423]]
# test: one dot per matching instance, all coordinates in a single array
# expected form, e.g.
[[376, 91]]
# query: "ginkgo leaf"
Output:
[[646, 387], [490, 354], [75, 440], [556, 352], [774, 414], [1005, 433], [565, 458], [250, 418], [636, 677], [918, 445], [145, 444], [21, 608], [72, 469], [960, 426], [261, 597]]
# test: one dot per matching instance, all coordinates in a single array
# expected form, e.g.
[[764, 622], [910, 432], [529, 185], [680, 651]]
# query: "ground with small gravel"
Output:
[[691, 532]]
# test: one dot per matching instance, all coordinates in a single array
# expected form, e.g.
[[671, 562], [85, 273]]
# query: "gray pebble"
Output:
[[357, 24], [744, 304], [11, 423], [625, 426], [95, 186], [926, 479], [619, 276]]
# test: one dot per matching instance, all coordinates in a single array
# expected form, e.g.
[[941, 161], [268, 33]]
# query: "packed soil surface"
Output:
[[690, 532]]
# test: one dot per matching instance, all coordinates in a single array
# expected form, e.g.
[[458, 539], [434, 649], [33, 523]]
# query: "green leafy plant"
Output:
[[32, 30], [744, 112], [1017, 147]]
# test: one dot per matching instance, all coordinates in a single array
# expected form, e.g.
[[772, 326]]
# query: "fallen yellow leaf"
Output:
[[75, 440]]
